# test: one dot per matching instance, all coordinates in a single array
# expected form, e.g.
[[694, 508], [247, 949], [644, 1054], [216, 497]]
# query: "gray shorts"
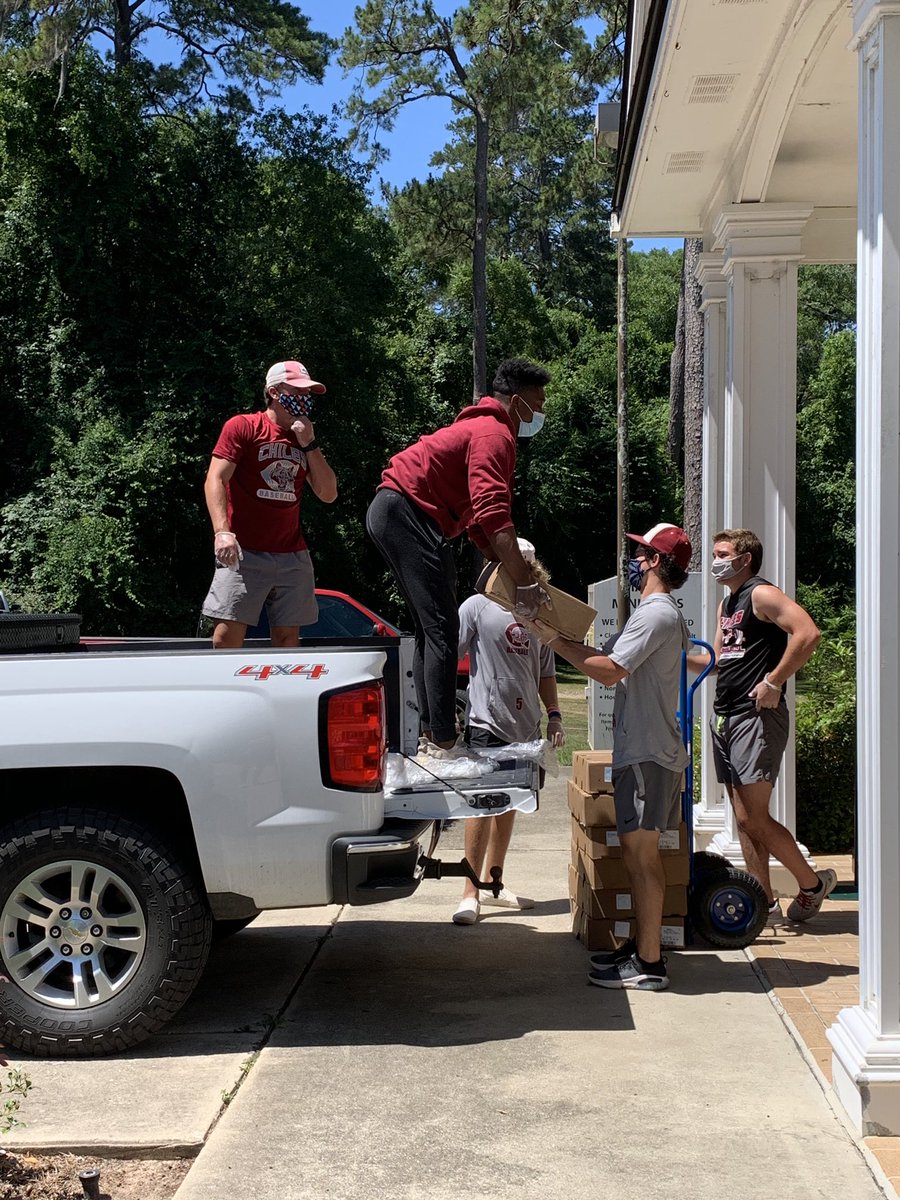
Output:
[[748, 747], [284, 583], [647, 796]]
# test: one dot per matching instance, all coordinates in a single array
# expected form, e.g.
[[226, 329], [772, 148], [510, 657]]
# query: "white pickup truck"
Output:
[[154, 788]]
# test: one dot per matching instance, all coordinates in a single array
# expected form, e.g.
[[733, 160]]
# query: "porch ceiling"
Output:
[[749, 101]]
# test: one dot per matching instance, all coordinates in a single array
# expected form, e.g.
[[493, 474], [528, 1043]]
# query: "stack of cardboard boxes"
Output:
[[599, 888]]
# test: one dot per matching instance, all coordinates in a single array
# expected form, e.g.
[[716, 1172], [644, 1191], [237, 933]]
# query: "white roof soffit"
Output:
[[750, 101]]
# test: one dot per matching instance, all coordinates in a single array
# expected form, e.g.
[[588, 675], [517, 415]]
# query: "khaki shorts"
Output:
[[647, 796], [284, 583]]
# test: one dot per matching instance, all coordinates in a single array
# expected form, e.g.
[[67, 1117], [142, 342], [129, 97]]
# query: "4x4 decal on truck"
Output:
[[311, 671]]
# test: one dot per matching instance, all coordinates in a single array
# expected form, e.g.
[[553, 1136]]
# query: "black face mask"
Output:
[[297, 406]]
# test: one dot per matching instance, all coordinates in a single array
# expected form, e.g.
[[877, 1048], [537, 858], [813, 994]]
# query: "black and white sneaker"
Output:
[[632, 973], [606, 958]]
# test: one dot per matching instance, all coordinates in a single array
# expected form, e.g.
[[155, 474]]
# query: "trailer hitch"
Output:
[[435, 868]]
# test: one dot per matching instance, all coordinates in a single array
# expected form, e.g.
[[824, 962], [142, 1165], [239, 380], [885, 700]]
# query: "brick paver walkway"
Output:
[[813, 970]]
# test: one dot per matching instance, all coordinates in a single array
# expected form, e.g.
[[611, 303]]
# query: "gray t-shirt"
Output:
[[506, 665], [645, 728]]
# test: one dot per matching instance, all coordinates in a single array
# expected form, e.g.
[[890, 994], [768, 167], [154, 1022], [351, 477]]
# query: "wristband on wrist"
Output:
[[313, 445], [553, 712], [776, 687]]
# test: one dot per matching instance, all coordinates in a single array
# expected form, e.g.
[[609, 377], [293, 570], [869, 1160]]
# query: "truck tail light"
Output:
[[355, 734]]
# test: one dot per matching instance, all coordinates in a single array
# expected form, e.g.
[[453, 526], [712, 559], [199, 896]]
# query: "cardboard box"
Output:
[[617, 904], [612, 904], [610, 872], [604, 842], [567, 615], [592, 771], [600, 872], [590, 810], [610, 935]]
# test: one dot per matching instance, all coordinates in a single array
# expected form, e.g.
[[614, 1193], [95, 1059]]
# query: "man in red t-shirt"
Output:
[[253, 489], [457, 479]]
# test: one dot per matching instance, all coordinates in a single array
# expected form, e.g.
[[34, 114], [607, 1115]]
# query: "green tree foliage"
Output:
[[220, 52], [826, 546], [568, 485], [548, 195], [149, 273], [826, 729], [826, 304], [826, 480], [479, 58]]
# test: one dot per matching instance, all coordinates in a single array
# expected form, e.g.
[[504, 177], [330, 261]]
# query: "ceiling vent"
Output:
[[711, 89], [684, 162], [722, 2]]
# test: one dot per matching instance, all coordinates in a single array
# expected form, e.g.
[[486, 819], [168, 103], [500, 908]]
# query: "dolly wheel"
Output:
[[729, 911], [707, 864]]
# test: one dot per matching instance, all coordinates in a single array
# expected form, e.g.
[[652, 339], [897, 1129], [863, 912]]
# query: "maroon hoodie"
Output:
[[461, 475]]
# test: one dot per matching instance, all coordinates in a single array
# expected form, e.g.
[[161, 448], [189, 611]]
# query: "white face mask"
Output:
[[724, 569], [530, 428]]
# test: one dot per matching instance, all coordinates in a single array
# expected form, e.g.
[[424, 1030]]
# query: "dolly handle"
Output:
[[686, 694], [686, 713]]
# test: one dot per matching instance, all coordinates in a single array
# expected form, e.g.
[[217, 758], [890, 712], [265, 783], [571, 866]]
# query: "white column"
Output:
[[709, 814], [760, 246], [866, 1038]]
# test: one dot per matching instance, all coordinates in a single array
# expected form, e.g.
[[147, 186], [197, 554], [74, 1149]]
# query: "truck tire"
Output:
[[103, 933]]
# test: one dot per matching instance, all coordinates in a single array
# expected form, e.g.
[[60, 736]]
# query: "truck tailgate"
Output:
[[512, 787]]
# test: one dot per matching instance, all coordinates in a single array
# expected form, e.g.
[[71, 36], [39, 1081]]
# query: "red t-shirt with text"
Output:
[[264, 491]]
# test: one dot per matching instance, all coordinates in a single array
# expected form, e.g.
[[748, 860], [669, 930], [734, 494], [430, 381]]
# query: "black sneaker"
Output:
[[605, 958], [634, 974]]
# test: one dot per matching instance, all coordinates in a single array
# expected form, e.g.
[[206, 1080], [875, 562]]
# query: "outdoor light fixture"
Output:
[[606, 126]]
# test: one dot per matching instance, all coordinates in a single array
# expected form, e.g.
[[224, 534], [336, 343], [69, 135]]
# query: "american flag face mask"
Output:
[[297, 406]]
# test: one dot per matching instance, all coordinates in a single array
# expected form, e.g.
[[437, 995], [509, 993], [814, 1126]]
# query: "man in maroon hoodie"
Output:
[[458, 479]]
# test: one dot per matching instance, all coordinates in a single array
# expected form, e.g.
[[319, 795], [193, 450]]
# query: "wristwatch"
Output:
[[313, 445]]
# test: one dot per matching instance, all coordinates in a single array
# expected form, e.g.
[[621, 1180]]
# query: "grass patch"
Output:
[[566, 673], [574, 708]]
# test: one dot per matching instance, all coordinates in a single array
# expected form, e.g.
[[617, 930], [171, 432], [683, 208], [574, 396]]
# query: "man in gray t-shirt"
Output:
[[644, 665], [510, 673]]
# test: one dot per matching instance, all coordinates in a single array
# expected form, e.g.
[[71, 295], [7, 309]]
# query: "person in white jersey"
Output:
[[511, 674]]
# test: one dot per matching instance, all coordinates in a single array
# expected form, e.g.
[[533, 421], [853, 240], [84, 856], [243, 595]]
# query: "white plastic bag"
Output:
[[406, 772], [540, 751]]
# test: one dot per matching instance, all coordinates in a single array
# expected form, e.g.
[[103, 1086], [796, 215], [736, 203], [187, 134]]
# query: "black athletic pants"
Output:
[[420, 557]]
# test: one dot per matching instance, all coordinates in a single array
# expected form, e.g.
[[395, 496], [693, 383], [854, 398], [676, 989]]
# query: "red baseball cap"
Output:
[[666, 539], [294, 373]]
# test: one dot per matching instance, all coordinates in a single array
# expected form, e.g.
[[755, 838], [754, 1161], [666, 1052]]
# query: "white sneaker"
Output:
[[807, 904], [506, 899], [775, 918], [468, 912]]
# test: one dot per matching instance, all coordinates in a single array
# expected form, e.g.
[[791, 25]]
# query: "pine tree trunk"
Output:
[[675, 440], [693, 399], [122, 34], [479, 258]]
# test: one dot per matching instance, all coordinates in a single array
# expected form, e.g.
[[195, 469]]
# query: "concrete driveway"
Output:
[[417, 1060]]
